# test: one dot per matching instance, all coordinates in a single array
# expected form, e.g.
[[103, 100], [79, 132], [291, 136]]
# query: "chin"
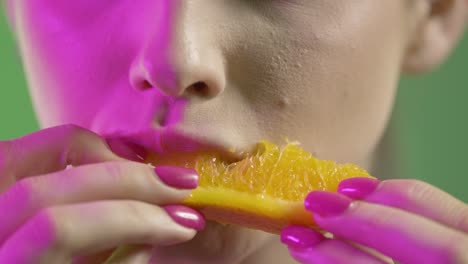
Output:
[[216, 244]]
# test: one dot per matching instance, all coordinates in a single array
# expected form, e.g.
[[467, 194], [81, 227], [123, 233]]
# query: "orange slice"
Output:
[[264, 191]]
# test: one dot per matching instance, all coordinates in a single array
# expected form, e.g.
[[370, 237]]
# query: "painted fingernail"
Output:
[[300, 237], [178, 177], [127, 149], [326, 204], [358, 188], [186, 216]]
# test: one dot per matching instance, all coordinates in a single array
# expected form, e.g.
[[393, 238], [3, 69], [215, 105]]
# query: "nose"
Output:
[[176, 56]]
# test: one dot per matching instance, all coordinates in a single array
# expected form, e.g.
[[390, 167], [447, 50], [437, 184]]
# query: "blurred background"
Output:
[[428, 118]]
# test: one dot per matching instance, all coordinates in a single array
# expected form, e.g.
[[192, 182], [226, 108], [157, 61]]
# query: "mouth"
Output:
[[149, 145]]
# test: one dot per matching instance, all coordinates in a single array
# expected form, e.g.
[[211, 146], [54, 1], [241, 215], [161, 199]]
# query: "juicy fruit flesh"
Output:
[[263, 191]]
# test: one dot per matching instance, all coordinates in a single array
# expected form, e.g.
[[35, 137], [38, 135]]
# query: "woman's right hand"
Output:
[[53, 214]]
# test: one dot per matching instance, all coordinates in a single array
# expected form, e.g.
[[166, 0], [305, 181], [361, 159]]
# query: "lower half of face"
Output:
[[321, 72]]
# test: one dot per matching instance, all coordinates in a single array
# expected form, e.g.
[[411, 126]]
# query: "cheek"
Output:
[[327, 82], [70, 60], [353, 80]]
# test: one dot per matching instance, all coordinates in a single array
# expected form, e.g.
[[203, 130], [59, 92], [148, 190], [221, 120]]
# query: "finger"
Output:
[[127, 254], [410, 195], [176, 140], [401, 235], [371, 251], [55, 148], [57, 234], [96, 258], [132, 254], [104, 181], [309, 246]]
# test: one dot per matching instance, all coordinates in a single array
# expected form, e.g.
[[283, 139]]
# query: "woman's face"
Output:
[[323, 72]]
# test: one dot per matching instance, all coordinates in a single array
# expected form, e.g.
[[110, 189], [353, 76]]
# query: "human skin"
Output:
[[321, 72]]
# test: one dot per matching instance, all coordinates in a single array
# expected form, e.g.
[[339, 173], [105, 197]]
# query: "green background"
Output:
[[429, 117]]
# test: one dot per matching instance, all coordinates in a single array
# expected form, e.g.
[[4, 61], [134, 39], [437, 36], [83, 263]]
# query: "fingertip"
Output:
[[327, 204], [300, 237], [358, 187], [301, 242], [186, 217]]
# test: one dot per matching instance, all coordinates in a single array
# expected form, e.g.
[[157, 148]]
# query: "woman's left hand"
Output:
[[407, 220]]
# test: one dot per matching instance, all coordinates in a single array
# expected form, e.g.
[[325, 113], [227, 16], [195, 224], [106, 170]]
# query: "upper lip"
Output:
[[170, 140]]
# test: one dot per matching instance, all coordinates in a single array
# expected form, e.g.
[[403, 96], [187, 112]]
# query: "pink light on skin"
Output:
[[121, 86], [19, 204], [127, 82], [15, 202], [34, 236], [151, 74], [128, 67]]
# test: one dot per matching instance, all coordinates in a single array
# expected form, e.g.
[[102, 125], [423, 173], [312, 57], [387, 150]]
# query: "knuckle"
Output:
[[416, 190], [134, 209], [123, 174], [376, 217], [80, 135], [124, 171], [136, 214], [79, 138], [144, 185], [116, 170], [373, 218], [462, 222], [146, 179], [147, 173]]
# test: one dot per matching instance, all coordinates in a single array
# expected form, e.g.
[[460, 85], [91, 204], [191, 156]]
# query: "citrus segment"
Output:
[[265, 190]]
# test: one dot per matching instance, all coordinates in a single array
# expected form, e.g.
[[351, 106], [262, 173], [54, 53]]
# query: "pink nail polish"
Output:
[[300, 237], [186, 216], [126, 149], [326, 204], [358, 188], [178, 177]]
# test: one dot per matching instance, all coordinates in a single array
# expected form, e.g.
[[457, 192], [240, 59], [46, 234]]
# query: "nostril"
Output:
[[145, 85], [199, 88], [141, 84]]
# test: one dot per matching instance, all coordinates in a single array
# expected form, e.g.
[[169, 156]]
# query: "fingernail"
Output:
[[358, 188], [186, 216], [126, 149], [178, 177], [326, 204], [300, 237]]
